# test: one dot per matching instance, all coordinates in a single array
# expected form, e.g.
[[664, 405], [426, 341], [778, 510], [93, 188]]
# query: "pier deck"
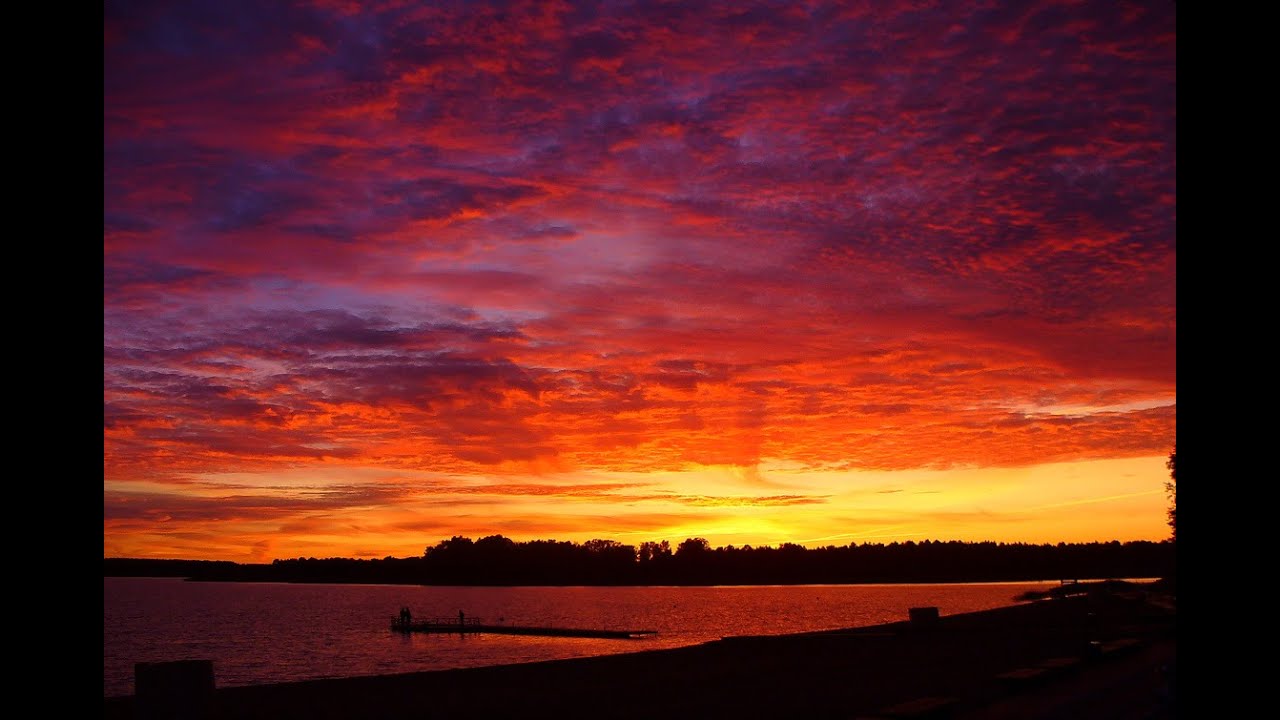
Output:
[[476, 626]]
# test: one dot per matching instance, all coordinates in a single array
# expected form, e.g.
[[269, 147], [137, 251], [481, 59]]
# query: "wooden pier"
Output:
[[469, 626]]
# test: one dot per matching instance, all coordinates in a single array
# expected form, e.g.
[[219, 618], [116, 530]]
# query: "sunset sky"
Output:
[[376, 274]]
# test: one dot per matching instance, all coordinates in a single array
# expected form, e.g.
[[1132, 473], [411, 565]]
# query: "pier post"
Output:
[[179, 690]]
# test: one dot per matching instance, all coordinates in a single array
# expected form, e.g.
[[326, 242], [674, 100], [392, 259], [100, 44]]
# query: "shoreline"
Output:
[[500, 562], [824, 673], [868, 583]]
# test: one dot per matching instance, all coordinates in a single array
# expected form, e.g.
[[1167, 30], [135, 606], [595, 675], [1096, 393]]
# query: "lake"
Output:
[[275, 632]]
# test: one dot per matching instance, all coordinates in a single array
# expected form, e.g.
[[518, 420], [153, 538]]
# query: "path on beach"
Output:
[[1137, 687]]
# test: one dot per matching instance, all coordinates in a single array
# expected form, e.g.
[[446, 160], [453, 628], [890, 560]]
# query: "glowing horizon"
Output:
[[377, 275]]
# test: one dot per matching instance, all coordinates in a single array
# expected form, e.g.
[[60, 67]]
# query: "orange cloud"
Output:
[[506, 245]]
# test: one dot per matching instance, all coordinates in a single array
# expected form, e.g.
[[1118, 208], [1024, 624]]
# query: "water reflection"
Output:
[[257, 633]]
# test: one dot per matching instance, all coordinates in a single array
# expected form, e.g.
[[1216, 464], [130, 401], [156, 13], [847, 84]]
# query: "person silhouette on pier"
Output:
[[462, 619]]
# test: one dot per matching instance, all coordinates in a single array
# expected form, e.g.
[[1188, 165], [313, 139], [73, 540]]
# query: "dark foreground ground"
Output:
[[1106, 655]]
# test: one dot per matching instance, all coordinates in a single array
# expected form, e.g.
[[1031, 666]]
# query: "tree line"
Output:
[[498, 560]]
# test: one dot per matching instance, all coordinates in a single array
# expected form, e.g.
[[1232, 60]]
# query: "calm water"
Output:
[[268, 632]]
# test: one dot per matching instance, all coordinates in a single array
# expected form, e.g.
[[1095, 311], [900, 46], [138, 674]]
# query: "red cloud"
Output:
[[501, 241]]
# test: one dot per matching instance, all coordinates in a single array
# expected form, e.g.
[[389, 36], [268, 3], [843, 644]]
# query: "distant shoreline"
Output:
[[1082, 581], [499, 562]]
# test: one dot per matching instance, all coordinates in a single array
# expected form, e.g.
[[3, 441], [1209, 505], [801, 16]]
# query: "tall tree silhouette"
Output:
[[1171, 487]]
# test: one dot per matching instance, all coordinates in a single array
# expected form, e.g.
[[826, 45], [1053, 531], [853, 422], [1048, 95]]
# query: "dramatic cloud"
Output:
[[686, 257]]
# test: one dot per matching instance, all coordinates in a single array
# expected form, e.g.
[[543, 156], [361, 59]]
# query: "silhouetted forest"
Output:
[[497, 560]]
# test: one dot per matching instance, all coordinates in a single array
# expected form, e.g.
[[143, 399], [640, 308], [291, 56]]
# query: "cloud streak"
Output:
[[507, 241]]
